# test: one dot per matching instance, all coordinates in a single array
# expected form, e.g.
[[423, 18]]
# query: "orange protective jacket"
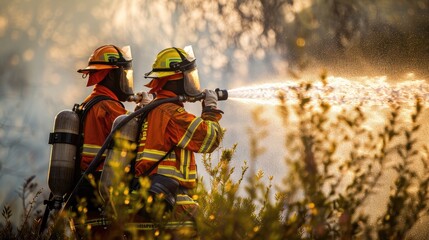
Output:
[[98, 124], [170, 126]]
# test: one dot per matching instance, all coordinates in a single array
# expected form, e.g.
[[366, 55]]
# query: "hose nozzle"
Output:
[[222, 95]]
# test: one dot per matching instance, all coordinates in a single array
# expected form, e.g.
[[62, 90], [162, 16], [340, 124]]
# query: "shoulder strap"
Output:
[[133, 162], [148, 171], [88, 105], [82, 110]]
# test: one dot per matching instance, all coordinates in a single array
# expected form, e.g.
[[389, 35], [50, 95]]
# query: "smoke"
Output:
[[13, 80]]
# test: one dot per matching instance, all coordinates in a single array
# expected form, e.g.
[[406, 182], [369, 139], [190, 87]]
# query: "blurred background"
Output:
[[237, 43]]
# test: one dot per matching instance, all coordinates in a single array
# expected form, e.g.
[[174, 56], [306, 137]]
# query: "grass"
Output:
[[337, 167]]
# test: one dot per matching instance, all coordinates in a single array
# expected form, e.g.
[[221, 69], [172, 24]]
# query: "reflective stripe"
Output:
[[182, 174], [211, 137], [172, 172], [182, 199], [91, 150], [189, 132], [185, 155], [155, 155], [208, 139]]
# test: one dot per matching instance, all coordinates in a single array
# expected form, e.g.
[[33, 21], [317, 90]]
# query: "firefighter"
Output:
[[172, 133], [110, 71]]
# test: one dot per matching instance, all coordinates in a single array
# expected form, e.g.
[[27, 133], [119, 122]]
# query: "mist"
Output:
[[44, 43]]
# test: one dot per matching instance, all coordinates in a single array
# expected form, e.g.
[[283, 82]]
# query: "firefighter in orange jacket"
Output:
[[110, 72], [171, 131]]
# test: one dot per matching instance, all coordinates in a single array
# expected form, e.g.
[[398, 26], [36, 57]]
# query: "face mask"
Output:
[[190, 74], [120, 84], [126, 82], [192, 82]]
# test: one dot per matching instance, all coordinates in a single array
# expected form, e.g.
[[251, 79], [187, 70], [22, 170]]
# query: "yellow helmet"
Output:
[[168, 62], [172, 61]]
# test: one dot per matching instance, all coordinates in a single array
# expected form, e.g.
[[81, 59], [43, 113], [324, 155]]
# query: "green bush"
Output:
[[336, 166]]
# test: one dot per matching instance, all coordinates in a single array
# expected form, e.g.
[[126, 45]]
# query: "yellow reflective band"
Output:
[[213, 138], [208, 139], [183, 199], [155, 155], [170, 171], [185, 156], [189, 132], [91, 150]]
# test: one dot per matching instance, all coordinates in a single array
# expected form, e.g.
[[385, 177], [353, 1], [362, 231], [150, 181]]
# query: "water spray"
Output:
[[337, 92]]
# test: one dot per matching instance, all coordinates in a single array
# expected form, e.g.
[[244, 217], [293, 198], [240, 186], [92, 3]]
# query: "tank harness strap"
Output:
[[82, 110], [135, 183], [63, 137], [85, 107]]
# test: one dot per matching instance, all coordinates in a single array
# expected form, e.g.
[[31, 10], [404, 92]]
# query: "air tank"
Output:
[[119, 156], [62, 163]]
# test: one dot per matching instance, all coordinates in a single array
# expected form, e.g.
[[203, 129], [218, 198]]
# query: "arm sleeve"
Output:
[[197, 134]]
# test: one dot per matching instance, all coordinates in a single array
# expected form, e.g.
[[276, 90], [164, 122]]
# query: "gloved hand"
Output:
[[211, 99], [145, 99]]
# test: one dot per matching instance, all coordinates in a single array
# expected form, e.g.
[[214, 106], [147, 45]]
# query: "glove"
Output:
[[210, 102], [145, 100], [211, 99]]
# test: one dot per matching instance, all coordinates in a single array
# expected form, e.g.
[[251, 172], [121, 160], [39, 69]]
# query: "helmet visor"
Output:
[[192, 82], [127, 82]]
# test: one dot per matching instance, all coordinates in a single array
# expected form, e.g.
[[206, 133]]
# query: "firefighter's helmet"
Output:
[[172, 61], [107, 57]]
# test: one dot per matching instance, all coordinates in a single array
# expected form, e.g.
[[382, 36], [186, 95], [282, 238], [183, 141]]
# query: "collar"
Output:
[[162, 94], [101, 90]]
